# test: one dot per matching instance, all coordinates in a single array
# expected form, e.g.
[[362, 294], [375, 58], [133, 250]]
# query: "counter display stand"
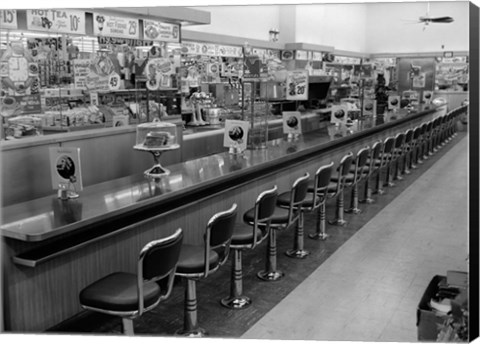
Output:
[[156, 171]]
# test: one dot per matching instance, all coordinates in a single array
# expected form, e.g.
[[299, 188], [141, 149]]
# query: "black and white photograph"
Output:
[[363, 226]]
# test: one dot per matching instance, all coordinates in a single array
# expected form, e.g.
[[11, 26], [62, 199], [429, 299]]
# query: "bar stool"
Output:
[[339, 185], [320, 187], [416, 139], [129, 295], [397, 154], [407, 151], [358, 171], [436, 128], [421, 144], [283, 218], [385, 158], [373, 164], [199, 261], [427, 140], [310, 202], [247, 235], [432, 135]]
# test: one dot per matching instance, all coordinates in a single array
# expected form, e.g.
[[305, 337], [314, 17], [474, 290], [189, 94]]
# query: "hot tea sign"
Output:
[[56, 20]]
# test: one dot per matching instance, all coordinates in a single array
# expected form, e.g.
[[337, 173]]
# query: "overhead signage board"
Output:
[[301, 55], [228, 51], [163, 32], [110, 26], [57, 21], [8, 19], [317, 56]]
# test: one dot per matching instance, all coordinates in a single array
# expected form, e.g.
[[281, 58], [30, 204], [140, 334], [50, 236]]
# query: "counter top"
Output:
[[136, 197]]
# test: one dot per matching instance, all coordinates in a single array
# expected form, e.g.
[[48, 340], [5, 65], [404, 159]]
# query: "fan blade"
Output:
[[441, 20], [436, 19]]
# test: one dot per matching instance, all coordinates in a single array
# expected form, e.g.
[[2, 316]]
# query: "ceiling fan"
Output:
[[427, 19]]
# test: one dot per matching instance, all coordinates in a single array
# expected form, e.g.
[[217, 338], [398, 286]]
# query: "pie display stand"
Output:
[[156, 171]]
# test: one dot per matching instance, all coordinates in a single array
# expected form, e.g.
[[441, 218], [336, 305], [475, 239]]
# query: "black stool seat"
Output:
[[118, 292], [192, 259], [243, 235], [284, 199], [279, 217]]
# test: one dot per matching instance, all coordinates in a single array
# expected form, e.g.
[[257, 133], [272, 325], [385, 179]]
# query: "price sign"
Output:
[[64, 21], [158, 31], [114, 81], [297, 85], [8, 19], [122, 27]]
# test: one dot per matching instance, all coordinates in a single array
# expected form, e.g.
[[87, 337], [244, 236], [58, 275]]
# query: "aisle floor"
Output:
[[369, 289]]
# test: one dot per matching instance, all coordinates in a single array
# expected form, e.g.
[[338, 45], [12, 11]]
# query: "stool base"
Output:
[[338, 222], [300, 254], [197, 333], [239, 302], [270, 275], [353, 211], [318, 236]]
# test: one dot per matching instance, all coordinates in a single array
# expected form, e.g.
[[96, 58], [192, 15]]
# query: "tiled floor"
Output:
[[369, 289]]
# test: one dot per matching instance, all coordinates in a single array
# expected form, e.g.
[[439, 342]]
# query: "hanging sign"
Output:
[[297, 85], [163, 32], [292, 122], [8, 19], [301, 55], [228, 51], [206, 49], [190, 48], [122, 27], [102, 40], [316, 56], [273, 54], [64, 21]]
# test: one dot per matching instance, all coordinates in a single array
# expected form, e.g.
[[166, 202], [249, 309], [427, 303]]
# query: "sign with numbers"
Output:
[[8, 19], [163, 32], [56, 20], [122, 27], [297, 85]]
